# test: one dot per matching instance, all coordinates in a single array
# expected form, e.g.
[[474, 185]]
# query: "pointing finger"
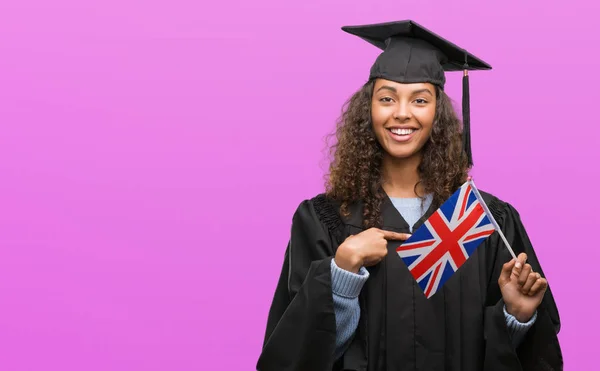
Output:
[[388, 235]]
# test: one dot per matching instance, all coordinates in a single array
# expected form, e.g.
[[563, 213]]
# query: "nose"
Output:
[[402, 112]]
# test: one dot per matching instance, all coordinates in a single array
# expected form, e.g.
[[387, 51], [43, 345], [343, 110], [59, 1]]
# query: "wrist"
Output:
[[519, 315], [347, 260]]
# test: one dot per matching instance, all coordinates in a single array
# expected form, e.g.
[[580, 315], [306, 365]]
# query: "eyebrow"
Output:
[[386, 87], [391, 88], [422, 91]]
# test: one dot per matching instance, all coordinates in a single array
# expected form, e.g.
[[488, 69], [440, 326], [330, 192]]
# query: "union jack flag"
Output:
[[447, 239]]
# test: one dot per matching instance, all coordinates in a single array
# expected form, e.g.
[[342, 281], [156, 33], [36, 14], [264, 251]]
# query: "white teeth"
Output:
[[402, 131]]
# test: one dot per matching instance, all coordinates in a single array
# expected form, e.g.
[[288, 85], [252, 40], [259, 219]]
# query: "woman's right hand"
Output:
[[365, 249]]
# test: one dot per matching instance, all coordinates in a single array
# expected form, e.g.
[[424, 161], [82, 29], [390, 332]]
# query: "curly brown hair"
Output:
[[355, 170]]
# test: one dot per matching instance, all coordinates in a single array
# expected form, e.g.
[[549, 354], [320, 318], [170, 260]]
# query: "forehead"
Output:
[[404, 88]]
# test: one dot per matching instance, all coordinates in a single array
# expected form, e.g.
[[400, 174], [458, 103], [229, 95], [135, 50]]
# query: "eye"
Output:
[[420, 101], [386, 100]]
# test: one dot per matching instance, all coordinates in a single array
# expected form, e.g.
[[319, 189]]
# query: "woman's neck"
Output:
[[400, 176]]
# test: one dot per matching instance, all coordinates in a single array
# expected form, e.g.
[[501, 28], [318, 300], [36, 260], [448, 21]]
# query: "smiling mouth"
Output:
[[401, 135], [402, 132]]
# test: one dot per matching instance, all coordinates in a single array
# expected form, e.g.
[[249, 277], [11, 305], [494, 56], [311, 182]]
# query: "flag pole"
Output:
[[489, 214]]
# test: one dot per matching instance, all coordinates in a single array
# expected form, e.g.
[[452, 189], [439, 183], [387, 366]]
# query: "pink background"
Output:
[[153, 152]]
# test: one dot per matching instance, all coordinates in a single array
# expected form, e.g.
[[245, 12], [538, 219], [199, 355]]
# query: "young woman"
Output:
[[345, 300]]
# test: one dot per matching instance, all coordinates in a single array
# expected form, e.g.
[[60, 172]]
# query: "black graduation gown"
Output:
[[462, 327]]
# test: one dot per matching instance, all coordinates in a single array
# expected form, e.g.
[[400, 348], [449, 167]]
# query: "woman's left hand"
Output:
[[522, 288]]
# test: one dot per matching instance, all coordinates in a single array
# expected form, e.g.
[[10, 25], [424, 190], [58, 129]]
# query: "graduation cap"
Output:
[[413, 54]]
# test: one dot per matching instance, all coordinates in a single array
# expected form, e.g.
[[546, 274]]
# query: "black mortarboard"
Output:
[[412, 53]]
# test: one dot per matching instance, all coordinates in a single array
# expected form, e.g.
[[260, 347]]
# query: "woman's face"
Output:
[[402, 116]]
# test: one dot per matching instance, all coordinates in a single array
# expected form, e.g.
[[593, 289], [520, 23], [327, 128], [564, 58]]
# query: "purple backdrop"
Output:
[[153, 152]]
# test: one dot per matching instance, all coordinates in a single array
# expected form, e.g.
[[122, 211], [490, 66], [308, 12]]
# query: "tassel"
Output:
[[466, 112]]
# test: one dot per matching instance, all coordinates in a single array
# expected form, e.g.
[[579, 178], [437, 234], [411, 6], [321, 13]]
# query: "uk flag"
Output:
[[447, 239]]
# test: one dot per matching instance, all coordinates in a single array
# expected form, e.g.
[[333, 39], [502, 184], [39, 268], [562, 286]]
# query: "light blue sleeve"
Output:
[[516, 329], [346, 287]]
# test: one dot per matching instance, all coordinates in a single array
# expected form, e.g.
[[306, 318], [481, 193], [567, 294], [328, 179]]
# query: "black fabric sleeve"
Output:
[[301, 328], [540, 350]]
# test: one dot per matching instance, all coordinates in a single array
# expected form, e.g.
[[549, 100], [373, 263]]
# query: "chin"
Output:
[[402, 154]]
